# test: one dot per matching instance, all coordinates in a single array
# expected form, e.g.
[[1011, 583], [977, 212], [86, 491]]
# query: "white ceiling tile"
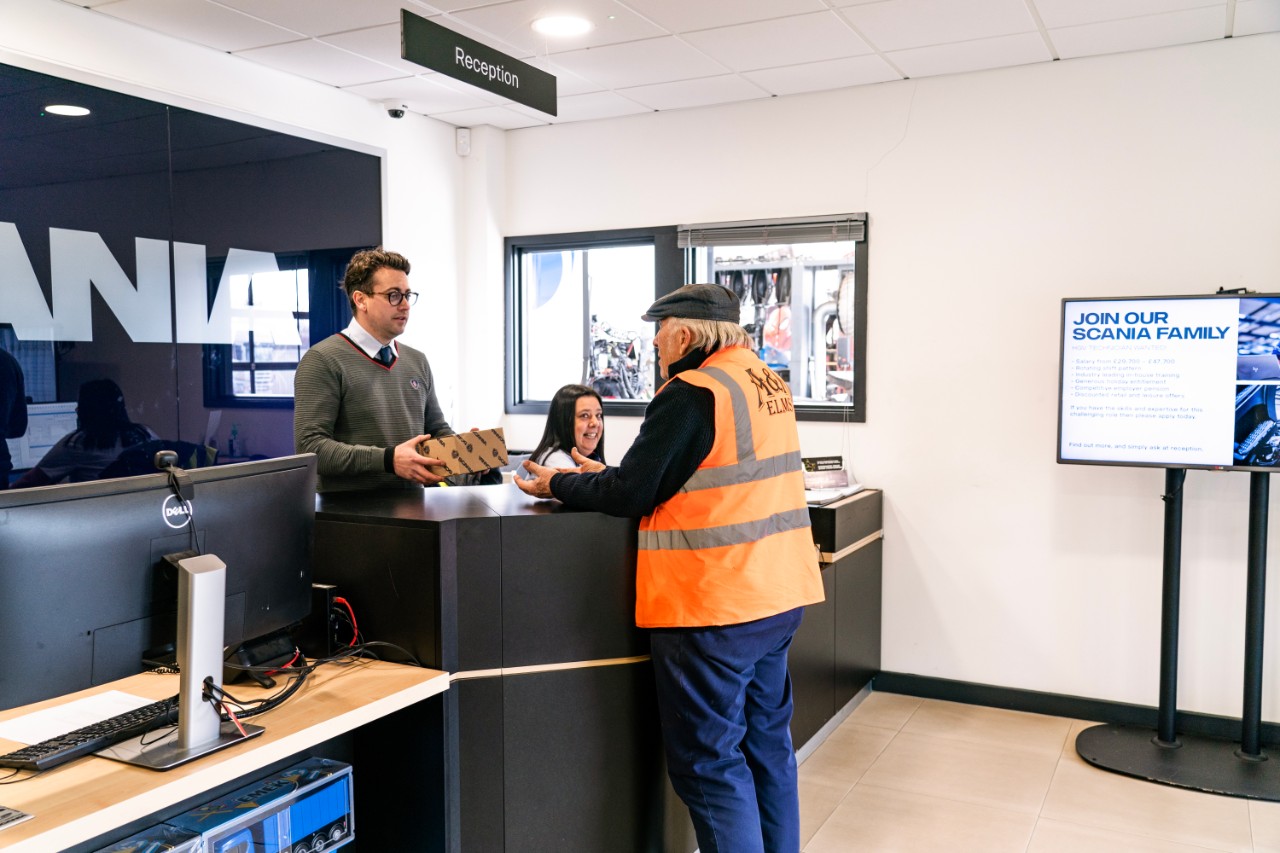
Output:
[[979, 55], [458, 26], [596, 105], [1139, 33], [1068, 13], [485, 96], [789, 41], [513, 22], [201, 22], [501, 117], [381, 44], [666, 54], [639, 63], [319, 61], [682, 16], [696, 93], [420, 95], [818, 76], [567, 83], [902, 24], [1257, 16], [320, 17], [455, 5]]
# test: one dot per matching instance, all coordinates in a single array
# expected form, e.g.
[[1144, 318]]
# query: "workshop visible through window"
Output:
[[802, 287]]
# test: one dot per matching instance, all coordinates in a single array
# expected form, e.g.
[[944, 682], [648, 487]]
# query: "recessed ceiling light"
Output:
[[66, 110], [562, 25]]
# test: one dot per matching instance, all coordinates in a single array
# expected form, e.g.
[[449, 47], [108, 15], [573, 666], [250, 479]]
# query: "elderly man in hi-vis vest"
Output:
[[725, 566]]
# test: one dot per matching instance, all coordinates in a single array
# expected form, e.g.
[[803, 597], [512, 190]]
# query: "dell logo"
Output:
[[177, 514]]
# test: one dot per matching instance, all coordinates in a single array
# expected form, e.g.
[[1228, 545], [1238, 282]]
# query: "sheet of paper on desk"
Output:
[[41, 725], [11, 817], [822, 497]]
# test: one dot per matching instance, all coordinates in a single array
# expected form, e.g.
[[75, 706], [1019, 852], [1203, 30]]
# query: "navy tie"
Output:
[[386, 356]]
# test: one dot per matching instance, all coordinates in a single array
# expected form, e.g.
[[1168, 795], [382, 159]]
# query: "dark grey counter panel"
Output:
[[857, 637], [568, 589], [475, 580], [811, 661], [836, 652]]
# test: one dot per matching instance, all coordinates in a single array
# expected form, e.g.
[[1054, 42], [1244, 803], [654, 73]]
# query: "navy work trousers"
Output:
[[724, 697]]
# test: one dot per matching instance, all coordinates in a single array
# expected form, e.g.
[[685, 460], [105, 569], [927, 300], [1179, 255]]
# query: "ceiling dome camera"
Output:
[[395, 109]]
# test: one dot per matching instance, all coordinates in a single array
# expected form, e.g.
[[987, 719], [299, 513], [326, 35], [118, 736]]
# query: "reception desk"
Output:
[[548, 737]]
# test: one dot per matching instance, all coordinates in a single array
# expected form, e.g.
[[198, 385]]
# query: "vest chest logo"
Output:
[[772, 394]]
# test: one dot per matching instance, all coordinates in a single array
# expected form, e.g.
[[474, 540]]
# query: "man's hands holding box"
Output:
[[466, 453]]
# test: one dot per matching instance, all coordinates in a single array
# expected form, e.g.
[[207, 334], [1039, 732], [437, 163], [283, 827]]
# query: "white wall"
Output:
[[992, 196]]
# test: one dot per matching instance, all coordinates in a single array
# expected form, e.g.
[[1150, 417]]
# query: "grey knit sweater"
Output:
[[348, 409]]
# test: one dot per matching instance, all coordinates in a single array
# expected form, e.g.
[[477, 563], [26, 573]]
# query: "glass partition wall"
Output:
[[186, 258]]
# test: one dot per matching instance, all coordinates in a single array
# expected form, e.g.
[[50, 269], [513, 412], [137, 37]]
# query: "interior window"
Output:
[[275, 315], [574, 303], [574, 306], [802, 287]]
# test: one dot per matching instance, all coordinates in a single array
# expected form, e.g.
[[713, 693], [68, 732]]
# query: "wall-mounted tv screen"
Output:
[[1171, 382]]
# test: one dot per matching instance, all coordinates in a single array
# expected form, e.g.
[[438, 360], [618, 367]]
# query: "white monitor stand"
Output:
[[202, 582]]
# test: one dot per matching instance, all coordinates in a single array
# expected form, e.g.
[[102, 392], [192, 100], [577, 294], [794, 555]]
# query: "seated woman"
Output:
[[575, 421], [103, 431]]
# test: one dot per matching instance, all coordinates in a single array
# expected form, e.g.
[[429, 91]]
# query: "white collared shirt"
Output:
[[367, 342]]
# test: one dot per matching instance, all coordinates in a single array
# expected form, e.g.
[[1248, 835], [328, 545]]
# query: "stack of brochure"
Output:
[[826, 480]]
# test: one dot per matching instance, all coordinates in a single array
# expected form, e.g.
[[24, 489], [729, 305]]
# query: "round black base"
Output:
[[1192, 761]]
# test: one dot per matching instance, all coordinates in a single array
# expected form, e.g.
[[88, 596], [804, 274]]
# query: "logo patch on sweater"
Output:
[[414, 384]]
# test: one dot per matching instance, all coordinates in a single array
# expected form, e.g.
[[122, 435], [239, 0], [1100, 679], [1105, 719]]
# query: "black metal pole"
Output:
[[1166, 732], [1255, 615]]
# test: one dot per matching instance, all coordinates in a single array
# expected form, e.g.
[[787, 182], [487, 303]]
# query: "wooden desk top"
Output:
[[87, 797]]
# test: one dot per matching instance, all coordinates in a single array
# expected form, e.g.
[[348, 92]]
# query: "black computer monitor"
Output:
[[86, 592]]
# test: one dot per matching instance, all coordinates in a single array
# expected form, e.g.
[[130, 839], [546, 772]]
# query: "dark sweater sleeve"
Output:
[[676, 435]]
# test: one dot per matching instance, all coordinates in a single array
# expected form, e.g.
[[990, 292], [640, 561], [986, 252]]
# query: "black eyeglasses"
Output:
[[395, 297]]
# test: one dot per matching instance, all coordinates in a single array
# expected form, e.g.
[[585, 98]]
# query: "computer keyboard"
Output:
[[100, 735]]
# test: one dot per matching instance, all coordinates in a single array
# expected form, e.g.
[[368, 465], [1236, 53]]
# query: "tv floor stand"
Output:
[[1214, 765]]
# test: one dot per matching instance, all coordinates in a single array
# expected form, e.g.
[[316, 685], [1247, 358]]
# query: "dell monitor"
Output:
[[86, 591]]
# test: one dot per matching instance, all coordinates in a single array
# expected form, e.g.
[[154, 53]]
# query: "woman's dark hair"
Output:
[[558, 433], [101, 417]]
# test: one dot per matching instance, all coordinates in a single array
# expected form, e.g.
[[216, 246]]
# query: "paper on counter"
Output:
[[41, 725]]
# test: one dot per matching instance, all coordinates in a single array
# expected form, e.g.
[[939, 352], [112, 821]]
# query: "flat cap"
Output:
[[697, 302]]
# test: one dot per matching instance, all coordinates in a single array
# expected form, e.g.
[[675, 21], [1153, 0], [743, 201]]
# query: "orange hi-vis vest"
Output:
[[733, 545]]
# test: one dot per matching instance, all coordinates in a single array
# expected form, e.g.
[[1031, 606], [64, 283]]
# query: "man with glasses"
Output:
[[362, 400]]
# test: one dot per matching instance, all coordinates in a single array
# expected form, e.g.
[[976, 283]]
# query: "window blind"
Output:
[[763, 232]]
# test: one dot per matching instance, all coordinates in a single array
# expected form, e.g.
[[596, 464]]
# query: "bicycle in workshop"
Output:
[[615, 368]]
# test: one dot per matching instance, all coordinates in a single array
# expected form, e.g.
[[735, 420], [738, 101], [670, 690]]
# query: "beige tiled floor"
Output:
[[904, 775]]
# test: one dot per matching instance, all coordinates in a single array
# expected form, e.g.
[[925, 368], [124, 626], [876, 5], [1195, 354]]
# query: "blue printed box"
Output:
[[308, 807]]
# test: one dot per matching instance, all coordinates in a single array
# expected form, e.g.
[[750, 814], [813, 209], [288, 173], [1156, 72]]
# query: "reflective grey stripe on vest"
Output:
[[728, 534], [747, 469], [741, 414], [744, 472]]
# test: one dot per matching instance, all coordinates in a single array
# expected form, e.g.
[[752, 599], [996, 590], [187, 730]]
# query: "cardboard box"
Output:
[[466, 453]]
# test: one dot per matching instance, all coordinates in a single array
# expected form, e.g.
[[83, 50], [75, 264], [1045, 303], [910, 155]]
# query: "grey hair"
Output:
[[712, 334]]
